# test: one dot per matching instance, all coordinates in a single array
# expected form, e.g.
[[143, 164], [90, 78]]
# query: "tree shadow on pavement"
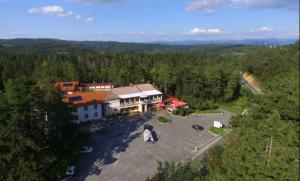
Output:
[[108, 146]]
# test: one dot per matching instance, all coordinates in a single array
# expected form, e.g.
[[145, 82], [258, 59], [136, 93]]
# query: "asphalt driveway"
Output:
[[120, 154]]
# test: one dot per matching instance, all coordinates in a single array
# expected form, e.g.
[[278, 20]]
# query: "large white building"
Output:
[[137, 98], [94, 105], [87, 106]]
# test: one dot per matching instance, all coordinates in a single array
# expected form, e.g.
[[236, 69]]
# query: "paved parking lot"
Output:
[[122, 155]]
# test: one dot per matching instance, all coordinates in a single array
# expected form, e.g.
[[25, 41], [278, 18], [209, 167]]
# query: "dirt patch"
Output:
[[251, 79]]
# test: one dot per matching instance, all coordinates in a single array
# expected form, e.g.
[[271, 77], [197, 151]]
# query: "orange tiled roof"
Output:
[[83, 98]]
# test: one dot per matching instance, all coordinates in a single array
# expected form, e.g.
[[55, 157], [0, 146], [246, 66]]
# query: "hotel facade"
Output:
[[95, 103]]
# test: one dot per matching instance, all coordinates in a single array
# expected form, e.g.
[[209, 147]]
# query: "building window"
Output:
[[95, 106], [96, 114], [86, 116], [85, 108]]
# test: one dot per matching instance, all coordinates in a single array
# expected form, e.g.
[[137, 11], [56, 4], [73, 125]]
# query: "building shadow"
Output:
[[108, 145]]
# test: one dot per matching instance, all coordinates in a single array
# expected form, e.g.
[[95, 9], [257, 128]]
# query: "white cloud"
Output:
[[136, 33], [48, 10], [211, 5], [214, 31], [89, 19], [58, 11], [78, 17], [261, 29], [268, 4], [69, 13], [203, 5], [199, 31], [161, 34], [16, 34], [90, 2]]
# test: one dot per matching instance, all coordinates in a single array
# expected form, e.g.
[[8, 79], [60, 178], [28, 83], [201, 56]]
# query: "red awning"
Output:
[[177, 104], [170, 99], [174, 102], [160, 105]]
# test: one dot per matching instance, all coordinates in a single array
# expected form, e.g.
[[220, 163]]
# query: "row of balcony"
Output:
[[134, 103]]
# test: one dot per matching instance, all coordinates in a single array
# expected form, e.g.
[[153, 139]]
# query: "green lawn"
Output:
[[216, 130], [236, 106], [209, 111]]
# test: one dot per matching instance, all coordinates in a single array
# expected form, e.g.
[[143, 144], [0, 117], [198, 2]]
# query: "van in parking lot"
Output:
[[148, 136]]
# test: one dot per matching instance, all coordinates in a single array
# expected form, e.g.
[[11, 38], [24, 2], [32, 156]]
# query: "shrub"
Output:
[[216, 130], [181, 111], [175, 112], [163, 119]]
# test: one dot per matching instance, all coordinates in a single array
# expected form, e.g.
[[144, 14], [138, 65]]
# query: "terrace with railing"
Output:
[[137, 100]]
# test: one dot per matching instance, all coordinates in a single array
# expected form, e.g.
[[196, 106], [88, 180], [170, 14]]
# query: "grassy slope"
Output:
[[236, 106]]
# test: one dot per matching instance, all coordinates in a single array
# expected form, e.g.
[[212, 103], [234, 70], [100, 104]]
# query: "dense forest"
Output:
[[31, 143], [264, 144], [206, 74], [45, 46]]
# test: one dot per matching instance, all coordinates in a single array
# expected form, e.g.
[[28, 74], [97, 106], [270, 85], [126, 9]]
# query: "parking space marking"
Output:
[[192, 141], [127, 139], [190, 144]]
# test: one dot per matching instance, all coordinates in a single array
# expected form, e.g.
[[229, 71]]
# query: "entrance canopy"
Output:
[[174, 102], [160, 105]]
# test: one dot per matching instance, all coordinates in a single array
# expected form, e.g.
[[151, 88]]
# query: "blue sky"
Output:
[[149, 20]]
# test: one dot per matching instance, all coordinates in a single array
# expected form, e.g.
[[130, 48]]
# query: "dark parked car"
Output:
[[197, 127], [148, 126]]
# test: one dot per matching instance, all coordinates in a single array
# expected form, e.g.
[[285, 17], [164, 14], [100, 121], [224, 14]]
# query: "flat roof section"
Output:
[[140, 90]]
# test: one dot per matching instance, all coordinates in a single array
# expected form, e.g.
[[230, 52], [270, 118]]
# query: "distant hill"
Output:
[[63, 46], [267, 41]]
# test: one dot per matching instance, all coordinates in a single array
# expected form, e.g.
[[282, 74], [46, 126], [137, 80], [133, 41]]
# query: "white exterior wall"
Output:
[[113, 107], [81, 113]]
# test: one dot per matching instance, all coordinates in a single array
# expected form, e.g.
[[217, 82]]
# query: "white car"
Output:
[[71, 170], [148, 136], [218, 124], [86, 149]]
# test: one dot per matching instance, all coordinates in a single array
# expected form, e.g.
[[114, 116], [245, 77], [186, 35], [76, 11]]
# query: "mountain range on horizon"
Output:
[[263, 41], [46, 45]]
